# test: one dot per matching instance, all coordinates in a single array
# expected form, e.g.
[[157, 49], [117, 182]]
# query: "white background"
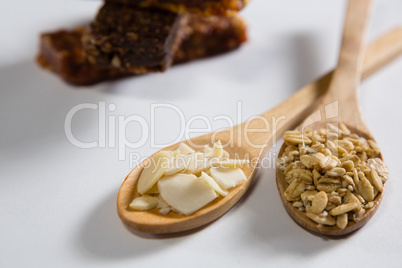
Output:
[[57, 201]]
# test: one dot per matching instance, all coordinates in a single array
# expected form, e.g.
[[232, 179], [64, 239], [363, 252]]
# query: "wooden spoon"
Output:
[[341, 101], [379, 53]]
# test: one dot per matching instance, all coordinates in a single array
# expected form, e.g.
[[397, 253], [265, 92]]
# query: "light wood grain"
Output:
[[378, 54], [346, 79], [343, 92]]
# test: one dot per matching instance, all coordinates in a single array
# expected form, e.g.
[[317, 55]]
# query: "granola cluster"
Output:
[[334, 175]]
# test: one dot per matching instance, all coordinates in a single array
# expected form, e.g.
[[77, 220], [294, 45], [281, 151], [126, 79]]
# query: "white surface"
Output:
[[57, 202]]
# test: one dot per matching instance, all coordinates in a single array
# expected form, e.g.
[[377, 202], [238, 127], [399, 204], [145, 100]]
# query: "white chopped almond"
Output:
[[145, 202], [181, 163], [328, 220], [217, 150], [342, 221], [164, 207], [185, 193], [228, 178], [184, 149], [207, 149], [159, 163], [212, 183]]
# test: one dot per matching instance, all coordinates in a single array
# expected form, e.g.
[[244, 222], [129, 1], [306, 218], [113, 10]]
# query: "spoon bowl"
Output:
[[152, 221], [301, 218]]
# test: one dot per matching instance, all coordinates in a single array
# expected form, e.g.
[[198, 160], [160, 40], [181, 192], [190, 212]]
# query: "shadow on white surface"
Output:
[[182, 80], [307, 65], [34, 103], [273, 229], [104, 236], [290, 61]]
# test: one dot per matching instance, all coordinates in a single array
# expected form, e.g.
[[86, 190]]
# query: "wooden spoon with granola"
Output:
[[330, 173]]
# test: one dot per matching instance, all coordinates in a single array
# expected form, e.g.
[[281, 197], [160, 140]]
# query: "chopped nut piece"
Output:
[[349, 180], [331, 146], [297, 204], [369, 205], [145, 202], [376, 181], [348, 165], [359, 197], [116, 63], [345, 208], [328, 185], [308, 195], [342, 221], [295, 138], [319, 202], [328, 220], [336, 200], [325, 161], [295, 189], [308, 161], [288, 168], [306, 178], [296, 172], [316, 177], [344, 129], [355, 176], [336, 172], [345, 144], [374, 146], [365, 189], [359, 214], [378, 165]]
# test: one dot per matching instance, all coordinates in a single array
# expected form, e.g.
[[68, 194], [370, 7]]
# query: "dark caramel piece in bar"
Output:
[[202, 7], [207, 36], [62, 51], [133, 39]]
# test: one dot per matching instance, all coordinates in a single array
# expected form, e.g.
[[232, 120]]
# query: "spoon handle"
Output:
[[382, 51], [293, 110], [344, 85]]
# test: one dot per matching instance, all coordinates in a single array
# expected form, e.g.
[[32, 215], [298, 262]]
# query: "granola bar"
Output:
[[202, 7], [62, 51], [209, 36], [133, 39]]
